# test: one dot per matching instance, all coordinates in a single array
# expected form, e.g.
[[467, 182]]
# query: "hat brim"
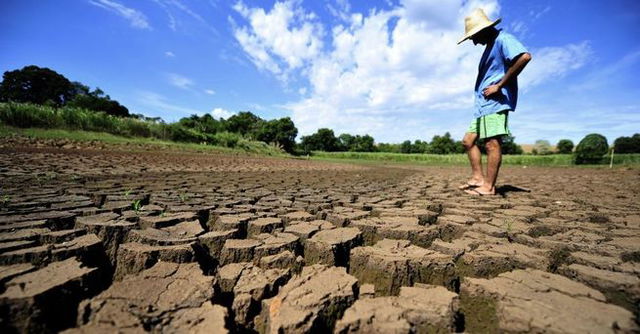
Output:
[[477, 30]]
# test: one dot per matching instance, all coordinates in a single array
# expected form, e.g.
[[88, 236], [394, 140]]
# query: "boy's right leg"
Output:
[[475, 159]]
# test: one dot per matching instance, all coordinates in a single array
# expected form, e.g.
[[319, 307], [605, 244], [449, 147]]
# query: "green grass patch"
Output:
[[241, 146], [462, 160], [82, 124]]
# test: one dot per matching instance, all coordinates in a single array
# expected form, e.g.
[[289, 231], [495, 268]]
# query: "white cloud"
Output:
[[221, 113], [386, 73], [160, 105], [180, 81], [539, 14], [136, 18], [173, 8], [210, 91], [604, 74], [280, 40], [340, 9], [169, 54], [555, 62]]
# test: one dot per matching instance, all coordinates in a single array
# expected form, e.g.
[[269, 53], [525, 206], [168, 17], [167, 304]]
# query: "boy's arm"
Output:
[[512, 72]]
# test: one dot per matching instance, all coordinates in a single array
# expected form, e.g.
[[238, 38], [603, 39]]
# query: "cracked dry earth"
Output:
[[114, 241]]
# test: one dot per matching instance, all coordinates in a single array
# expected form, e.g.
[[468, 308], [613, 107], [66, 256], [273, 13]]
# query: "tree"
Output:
[[364, 143], [323, 140], [509, 146], [281, 131], [210, 125], [205, 124], [542, 147], [406, 146], [591, 149], [37, 85], [419, 146], [564, 146], [385, 147], [346, 141], [443, 145], [627, 144], [244, 123], [96, 101]]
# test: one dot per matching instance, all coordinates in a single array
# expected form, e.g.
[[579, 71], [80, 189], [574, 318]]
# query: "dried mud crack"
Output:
[[98, 240]]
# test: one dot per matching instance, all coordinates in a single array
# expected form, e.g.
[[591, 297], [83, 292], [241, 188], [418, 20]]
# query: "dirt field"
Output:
[[106, 241]]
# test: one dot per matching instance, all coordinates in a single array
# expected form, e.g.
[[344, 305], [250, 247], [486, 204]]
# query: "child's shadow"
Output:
[[507, 188]]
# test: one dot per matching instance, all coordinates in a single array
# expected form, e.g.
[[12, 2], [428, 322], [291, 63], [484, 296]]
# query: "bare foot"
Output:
[[472, 183], [481, 191]]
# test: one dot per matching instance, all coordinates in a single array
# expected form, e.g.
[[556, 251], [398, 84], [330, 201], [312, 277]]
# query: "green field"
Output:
[[242, 146], [461, 159]]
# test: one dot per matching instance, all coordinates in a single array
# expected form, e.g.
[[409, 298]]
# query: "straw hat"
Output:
[[475, 22]]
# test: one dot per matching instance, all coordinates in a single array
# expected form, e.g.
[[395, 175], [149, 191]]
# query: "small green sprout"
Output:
[[183, 197], [508, 227], [45, 178], [5, 199], [136, 205]]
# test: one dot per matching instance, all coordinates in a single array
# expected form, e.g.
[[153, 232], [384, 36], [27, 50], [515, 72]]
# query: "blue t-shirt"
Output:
[[496, 59]]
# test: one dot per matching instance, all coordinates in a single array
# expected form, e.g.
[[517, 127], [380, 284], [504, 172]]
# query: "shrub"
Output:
[[74, 119], [542, 147], [509, 146], [627, 144], [444, 145], [564, 146], [226, 139], [135, 128], [101, 122], [182, 134], [591, 149], [24, 115]]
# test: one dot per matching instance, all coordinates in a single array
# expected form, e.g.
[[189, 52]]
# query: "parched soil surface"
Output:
[[162, 241]]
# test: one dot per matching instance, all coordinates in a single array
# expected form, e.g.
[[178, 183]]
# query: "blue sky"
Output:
[[388, 68]]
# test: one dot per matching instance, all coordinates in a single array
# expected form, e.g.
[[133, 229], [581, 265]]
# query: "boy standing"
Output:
[[496, 94]]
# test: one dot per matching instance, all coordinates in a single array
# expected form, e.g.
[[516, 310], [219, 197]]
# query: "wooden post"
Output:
[[611, 163]]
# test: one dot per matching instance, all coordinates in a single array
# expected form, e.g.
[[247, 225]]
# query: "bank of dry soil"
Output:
[[105, 240]]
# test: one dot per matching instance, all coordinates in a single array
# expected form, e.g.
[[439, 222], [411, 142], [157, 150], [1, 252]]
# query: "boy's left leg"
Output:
[[475, 160], [494, 160]]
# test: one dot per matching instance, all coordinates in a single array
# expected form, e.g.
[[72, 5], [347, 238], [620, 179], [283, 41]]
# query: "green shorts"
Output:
[[492, 125]]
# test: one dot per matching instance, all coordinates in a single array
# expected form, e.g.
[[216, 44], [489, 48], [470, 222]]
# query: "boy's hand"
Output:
[[490, 90]]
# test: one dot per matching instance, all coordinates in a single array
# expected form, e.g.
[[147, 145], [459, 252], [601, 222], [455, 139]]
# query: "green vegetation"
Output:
[[42, 98], [183, 197], [4, 200], [243, 146], [591, 149], [541, 147], [43, 86], [69, 118], [627, 144], [325, 140], [136, 205], [461, 159], [564, 146]]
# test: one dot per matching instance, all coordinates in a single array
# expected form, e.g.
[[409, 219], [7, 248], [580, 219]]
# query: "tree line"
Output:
[[325, 140], [45, 87], [69, 102]]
